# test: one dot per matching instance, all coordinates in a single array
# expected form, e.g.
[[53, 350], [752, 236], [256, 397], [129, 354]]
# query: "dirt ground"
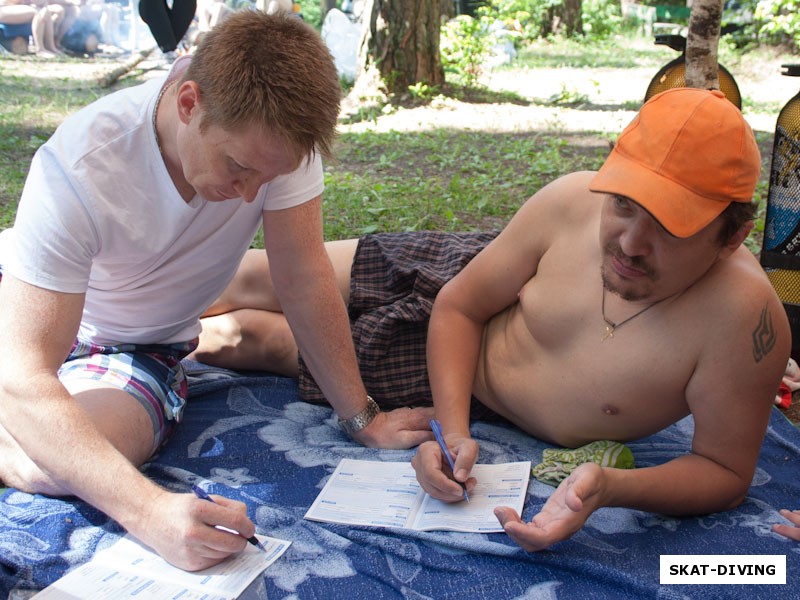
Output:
[[613, 96]]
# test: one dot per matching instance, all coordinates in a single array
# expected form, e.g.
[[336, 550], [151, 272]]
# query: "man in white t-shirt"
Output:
[[134, 217]]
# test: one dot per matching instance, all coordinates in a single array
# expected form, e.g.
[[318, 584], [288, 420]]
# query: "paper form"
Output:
[[386, 494], [130, 569]]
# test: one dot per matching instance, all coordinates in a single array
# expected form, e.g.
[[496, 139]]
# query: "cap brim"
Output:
[[679, 211]]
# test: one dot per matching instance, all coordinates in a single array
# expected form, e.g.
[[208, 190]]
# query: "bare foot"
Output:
[[47, 53]]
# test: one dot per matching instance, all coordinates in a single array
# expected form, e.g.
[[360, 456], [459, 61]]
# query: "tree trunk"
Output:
[[702, 44], [324, 7], [400, 43], [565, 19], [572, 15], [447, 8]]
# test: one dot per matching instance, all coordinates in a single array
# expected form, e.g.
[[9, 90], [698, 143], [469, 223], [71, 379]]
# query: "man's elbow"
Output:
[[715, 501], [736, 500], [728, 500]]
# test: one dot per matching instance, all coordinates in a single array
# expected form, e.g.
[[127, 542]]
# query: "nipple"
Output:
[[610, 409]]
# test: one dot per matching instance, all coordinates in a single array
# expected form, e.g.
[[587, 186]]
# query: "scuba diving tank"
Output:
[[780, 251], [673, 74]]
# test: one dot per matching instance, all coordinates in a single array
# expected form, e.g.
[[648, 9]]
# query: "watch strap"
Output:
[[361, 420]]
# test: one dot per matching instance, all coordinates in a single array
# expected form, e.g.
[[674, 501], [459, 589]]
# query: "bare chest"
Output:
[[551, 365]]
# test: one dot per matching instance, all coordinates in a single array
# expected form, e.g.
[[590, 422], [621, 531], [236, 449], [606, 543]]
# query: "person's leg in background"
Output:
[[168, 26], [43, 29]]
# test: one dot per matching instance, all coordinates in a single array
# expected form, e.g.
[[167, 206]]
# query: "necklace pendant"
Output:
[[609, 333]]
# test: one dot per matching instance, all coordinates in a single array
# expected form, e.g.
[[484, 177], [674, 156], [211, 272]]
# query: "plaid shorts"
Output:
[[150, 373], [394, 280]]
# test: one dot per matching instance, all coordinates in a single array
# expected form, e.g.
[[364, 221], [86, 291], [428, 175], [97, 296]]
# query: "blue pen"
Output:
[[436, 427], [201, 493]]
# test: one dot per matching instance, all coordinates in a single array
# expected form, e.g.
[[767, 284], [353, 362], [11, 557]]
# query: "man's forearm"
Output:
[[60, 439], [688, 485], [321, 328], [453, 346]]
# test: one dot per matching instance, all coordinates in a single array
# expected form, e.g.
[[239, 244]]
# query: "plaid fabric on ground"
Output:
[[393, 283]]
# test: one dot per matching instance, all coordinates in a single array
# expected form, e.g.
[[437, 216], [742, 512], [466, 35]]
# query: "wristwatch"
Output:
[[362, 419]]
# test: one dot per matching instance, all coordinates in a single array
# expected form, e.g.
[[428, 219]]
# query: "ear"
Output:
[[188, 101], [737, 239]]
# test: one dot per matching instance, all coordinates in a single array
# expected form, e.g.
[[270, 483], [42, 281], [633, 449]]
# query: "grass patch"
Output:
[[618, 52], [405, 182]]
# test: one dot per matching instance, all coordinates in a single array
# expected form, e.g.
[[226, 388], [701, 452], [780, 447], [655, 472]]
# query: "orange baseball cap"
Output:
[[685, 157]]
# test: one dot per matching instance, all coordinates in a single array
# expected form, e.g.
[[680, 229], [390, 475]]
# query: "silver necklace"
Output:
[[155, 113], [611, 326]]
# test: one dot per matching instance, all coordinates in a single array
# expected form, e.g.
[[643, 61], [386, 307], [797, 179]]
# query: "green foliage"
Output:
[[778, 21], [466, 43], [312, 12], [523, 16], [423, 91], [569, 97], [601, 18]]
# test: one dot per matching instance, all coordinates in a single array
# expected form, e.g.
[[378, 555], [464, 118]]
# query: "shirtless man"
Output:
[[636, 277]]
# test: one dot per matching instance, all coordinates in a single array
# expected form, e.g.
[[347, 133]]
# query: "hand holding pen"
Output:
[[436, 427], [203, 495]]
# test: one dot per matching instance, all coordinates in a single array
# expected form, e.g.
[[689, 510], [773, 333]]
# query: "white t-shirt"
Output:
[[99, 214]]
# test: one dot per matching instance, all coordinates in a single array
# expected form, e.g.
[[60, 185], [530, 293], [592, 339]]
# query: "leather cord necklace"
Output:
[[155, 112], [611, 326]]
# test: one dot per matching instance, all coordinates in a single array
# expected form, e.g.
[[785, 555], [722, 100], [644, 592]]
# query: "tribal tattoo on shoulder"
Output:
[[764, 336]]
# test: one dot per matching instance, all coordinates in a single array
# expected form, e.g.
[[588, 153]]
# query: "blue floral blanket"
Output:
[[251, 438]]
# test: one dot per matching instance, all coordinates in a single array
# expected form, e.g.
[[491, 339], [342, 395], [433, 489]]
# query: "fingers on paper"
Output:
[[428, 463], [465, 454], [226, 524]]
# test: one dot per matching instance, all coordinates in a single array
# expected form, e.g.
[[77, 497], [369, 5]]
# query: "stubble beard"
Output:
[[606, 273]]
